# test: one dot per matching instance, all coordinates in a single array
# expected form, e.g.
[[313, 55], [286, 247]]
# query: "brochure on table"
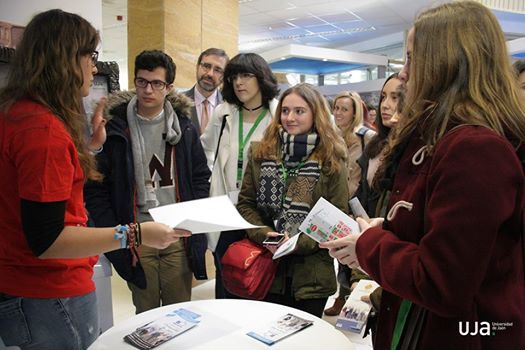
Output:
[[163, 329], [326, 222], [280, 329], [355, 312], [214, 214]]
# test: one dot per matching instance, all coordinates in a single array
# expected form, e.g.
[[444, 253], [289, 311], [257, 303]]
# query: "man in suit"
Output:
[[205, 94]]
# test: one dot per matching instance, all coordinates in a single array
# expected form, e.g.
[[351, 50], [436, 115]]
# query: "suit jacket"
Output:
[[193, 111]]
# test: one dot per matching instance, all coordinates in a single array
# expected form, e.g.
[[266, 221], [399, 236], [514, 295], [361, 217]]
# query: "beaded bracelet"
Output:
[[132, 236]]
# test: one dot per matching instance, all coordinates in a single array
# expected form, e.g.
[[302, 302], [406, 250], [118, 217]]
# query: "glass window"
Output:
[[331, 79], [311, 79]]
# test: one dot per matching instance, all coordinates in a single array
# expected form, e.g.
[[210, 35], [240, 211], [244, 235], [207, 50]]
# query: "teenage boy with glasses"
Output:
[[152, 157], [205, 93]]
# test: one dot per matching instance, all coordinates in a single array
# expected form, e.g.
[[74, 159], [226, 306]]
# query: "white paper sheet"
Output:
[[213, 214]]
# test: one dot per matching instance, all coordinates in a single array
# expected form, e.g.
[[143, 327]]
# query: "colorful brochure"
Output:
[[326, 222], [354, 314], [163, 329], [280, 329]]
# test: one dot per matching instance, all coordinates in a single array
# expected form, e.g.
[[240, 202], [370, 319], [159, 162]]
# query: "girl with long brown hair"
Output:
[[449, 254]]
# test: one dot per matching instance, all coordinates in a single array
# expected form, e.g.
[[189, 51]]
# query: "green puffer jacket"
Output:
[[311, 268]]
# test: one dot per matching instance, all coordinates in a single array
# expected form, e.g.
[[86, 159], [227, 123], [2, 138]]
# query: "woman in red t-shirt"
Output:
[[47, 298]]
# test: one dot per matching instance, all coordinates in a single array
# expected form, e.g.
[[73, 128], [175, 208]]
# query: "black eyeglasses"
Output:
[[94, 58], [155, 84], [208, 67], [243, 76]]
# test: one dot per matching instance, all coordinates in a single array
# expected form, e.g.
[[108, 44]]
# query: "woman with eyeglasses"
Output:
[[47, 295], [300, 159], [249, 93]]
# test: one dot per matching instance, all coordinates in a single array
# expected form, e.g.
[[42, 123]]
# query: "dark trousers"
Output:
[[225, 239], [312, 306]]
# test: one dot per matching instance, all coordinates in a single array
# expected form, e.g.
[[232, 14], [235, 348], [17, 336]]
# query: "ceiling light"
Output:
[[310, 34]]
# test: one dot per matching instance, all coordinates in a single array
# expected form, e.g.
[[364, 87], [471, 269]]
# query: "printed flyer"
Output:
[[354, 314], [280, 329], [326, 222], [163, 329]]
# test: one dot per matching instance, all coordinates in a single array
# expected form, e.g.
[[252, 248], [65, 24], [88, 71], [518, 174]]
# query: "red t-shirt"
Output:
[[39, 162]]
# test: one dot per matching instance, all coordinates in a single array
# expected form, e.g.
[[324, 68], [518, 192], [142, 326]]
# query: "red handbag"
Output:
[[248, 270]]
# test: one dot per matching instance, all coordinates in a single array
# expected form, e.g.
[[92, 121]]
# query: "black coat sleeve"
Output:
[[97, 194], [201, 172]]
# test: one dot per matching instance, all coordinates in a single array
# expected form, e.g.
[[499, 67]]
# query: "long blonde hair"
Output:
[[331, 151], [460, 74], [357, 120], [47, 70]]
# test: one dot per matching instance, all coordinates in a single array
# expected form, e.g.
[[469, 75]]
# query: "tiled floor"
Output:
[[123, 307]]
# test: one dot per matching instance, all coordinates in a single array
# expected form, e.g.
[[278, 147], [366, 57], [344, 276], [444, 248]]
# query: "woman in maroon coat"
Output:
[[449, 252]]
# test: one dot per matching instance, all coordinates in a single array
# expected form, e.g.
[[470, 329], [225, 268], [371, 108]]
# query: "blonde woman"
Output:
[[300, 159], [349, 111]]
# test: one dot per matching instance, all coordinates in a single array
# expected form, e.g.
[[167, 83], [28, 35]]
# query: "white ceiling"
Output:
[[342, 24], [371, 26]]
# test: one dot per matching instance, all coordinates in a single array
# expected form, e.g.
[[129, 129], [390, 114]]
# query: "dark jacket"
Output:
[[111, 201]]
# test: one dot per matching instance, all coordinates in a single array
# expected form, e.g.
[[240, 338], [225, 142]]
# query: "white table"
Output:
[[224, 324]]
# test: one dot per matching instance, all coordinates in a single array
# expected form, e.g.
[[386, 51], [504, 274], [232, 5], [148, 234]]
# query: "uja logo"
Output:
[[481, 328]]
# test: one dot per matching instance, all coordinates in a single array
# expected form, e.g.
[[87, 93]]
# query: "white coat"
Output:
[[224, 168]]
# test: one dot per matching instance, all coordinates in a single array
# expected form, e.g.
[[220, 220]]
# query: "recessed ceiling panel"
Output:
[[308, 21], [341, 17]]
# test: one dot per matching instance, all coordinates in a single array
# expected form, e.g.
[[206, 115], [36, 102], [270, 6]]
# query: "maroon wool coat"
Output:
[[466, 263]]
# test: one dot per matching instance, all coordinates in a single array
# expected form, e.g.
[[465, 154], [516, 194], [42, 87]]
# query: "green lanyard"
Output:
[[287, 172], [244, 140], [402, 314]]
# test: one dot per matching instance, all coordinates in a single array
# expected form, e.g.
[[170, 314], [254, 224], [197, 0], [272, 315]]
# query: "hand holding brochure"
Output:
[[280, 329], [212, 214], [354, 314], [326, 222], [160, 331]]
